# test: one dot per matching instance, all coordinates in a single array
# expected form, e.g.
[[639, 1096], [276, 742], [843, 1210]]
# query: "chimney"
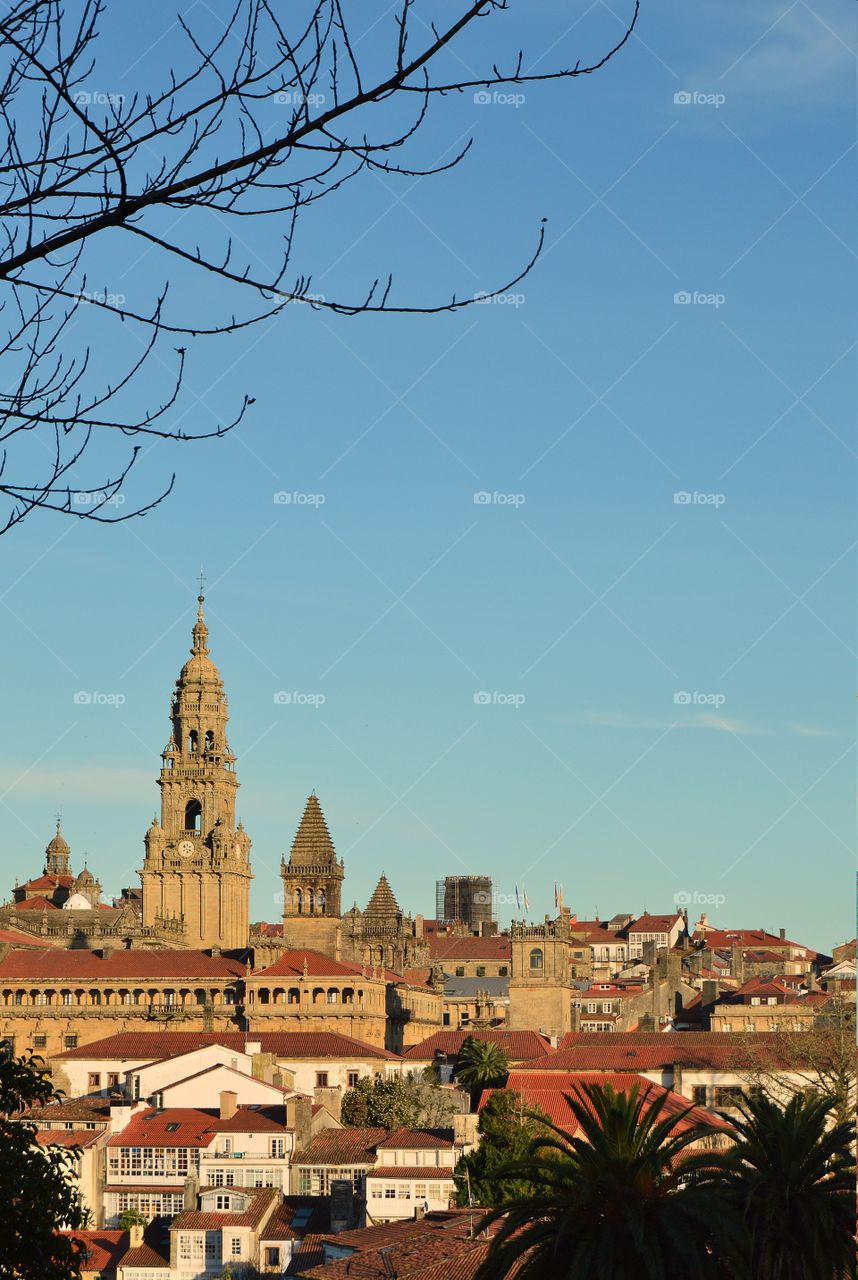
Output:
[[191, 1191], [106, 950], [709, 993], [252, 1046], [782, 934], [228, 1103], [299, 1118], [120, 1115], [135, 1236]]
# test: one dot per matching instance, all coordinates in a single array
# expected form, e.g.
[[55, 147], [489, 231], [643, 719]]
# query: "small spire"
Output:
[[201, 631]]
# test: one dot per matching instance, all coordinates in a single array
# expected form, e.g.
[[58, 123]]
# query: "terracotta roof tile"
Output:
[[431, 1172], [548, 1093], [155, 1046], [341, 1147], [519, 1046], [263, 1199], [144, 1255], [654, 924], [418, 1139], [653, 1050], [77, 966], [101, 1250], [443, 947], [68, 1137]]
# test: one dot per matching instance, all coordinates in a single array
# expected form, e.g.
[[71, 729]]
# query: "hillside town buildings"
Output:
[[205, 1058]]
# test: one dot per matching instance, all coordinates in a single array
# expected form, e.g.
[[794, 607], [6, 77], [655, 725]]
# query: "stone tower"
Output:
[[540, 986], [197, 864], [312, 883]]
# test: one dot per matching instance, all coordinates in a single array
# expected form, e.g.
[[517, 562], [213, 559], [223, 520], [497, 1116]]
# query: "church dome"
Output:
[[58, 846]]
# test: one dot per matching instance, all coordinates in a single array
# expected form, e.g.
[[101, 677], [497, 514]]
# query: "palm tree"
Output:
[[481, 1064], [791, 1181], [622, 1197]]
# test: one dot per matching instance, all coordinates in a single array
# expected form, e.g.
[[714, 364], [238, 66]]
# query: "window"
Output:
[[353, 1078], [536, 958], [592, 1007], [446, 1018], [503, 971], [698, 1095], [277, 1148], [375, 1194], [272, 1257], [420, 1191], [460, 971], [193, 810], [95, 1080], [39, 1042], [68, 998], [390, 1193], [321, 1079], [332, 996], [70, 1042], [728, 1095], [112, 1079], [304, 1182], [223, 1202], [464, 1018], [481, 970], [404, 1191]]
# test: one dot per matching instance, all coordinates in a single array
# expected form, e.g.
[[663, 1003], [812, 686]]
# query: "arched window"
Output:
[[193, 815], [209, 740], [318, 995], [348, 995], [536, 959], [294, 996], [321, 901], [299, 901], [312, 897], [192, 741], [264, 995]]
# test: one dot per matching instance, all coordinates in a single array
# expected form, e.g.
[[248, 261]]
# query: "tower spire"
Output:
[[201, 631]]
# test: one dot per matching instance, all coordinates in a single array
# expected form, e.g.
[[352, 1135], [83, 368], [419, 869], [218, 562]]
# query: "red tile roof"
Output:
[[143, 1255], [519, 1046], [291, 964], [418, 1139], [67, 1137], [100, 1250], [470, 948], [315, 1217], [152, 1046], [548, 1093], [36, 904], [655, 1050], [431, 1172], [437, 1247], [350, 1146], [654, 924], [77, 966], [263, 1199], [746, 938], [49, 882], [150, 1129], [18, 938]]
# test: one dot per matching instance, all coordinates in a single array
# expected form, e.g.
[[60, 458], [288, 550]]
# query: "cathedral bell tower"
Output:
[[197, 864]]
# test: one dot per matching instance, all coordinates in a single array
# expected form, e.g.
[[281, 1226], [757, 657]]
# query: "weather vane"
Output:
[[202, 578]]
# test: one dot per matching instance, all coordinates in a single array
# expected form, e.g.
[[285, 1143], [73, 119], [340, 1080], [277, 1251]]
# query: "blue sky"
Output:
[[670, 683]]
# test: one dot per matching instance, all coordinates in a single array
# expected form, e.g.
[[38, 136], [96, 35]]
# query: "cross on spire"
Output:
[[202, 578]]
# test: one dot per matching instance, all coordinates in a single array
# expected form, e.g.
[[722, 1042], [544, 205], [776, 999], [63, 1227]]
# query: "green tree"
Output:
[[132, 1218], [481, 1064], [507, 1133], [791, 1182], [620, 1198], [385, 1104], [34, 1190]]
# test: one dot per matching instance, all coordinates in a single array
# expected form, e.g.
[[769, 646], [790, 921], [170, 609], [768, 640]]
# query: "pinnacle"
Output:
[[313, 846], [383, 902]]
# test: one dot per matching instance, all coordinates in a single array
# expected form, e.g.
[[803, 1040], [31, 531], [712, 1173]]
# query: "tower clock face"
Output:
[[185, 848]]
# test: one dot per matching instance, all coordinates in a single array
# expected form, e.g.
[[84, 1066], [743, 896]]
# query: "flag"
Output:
[[560, 901], [526, 901], [555, 896], [517, 900]]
